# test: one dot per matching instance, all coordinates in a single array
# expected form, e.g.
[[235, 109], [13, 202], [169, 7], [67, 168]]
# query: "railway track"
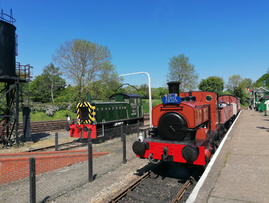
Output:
[[153, 186], [61, 147], [43, 126]]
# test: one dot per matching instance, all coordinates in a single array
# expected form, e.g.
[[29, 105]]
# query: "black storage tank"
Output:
[[7, 49]]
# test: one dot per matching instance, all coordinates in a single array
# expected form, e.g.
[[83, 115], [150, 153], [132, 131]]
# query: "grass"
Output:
[[41, 116], [145, 104]]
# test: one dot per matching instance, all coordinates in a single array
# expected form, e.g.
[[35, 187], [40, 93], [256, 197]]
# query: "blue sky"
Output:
[[221, 37]]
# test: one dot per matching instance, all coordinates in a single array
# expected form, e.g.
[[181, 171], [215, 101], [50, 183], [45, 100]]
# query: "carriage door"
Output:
[[133, 107], [137, 107]]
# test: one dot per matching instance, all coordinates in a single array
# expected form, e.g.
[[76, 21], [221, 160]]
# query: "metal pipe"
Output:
[[90, 164], [32, 176], [123, 137], [56, 141], [150, 100]]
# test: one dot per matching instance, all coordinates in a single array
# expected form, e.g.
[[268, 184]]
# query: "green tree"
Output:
[[84, 62], [238, 87], [240, 92], [259, 82], [69, 94], [181, 70], [106, 82], [233, 82], [159, 92], [133, 89], [56, 83], [212, 84], [144, 91], [39, 89], [248, 82], [47, 86]]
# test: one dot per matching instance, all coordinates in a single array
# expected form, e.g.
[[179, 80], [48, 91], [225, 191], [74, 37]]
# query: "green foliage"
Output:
[[212, 84], [62, 114], [47, 86], [59, 115], [69, 94], [39, 90], [145, 104], [144, 91], [158, 93], [106, 84], [181, 70], [260, 81], [234, 82], [237, 86], [225, 93]]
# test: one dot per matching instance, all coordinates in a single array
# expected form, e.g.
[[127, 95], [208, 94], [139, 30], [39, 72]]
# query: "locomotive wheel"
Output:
[[172, 126]]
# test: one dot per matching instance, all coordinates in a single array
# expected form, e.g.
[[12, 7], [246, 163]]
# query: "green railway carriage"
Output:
[[123, 109]]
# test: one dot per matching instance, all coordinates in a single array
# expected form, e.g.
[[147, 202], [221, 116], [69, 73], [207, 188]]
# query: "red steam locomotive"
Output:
[[187, 126]]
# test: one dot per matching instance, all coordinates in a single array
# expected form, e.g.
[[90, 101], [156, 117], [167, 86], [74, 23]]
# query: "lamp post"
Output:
[[265, 105], [150, 102]]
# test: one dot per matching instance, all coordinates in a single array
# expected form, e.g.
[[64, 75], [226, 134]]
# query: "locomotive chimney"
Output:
[[173, 87]]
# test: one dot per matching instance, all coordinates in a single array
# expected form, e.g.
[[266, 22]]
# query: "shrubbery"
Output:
[[50, 109]]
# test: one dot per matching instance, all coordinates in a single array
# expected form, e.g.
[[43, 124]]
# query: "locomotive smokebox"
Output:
[[8, 49], [173, 87]]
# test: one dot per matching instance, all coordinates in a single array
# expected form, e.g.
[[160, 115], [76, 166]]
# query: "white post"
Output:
[[150, 101]]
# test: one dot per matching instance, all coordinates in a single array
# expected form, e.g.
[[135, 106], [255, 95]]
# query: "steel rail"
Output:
[[130, 187], [182, 190]]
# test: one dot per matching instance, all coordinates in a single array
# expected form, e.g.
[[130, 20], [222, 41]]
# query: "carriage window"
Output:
[[208, 98], [139, 101], [132, 100], [84, 113], [113, 99], [127, 101]]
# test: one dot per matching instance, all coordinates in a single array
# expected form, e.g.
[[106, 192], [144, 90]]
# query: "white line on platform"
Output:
[[201, 181]]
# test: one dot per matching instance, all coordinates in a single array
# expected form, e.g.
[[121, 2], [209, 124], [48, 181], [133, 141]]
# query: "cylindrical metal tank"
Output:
[[7, 49]]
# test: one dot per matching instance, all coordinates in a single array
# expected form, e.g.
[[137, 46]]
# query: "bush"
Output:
[[50, 109]]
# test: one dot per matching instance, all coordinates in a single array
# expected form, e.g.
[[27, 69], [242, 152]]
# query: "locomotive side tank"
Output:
[[186, 127]]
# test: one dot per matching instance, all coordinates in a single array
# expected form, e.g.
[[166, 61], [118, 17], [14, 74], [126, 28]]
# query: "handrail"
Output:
[[4, 17]]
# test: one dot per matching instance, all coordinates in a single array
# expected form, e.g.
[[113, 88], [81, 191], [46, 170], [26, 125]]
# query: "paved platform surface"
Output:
[[241, 171]]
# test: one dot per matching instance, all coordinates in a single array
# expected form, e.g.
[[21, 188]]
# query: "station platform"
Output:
[[239, 170]]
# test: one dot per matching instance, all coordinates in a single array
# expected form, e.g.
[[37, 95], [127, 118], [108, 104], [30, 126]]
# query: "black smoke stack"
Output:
[[173, 87]]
